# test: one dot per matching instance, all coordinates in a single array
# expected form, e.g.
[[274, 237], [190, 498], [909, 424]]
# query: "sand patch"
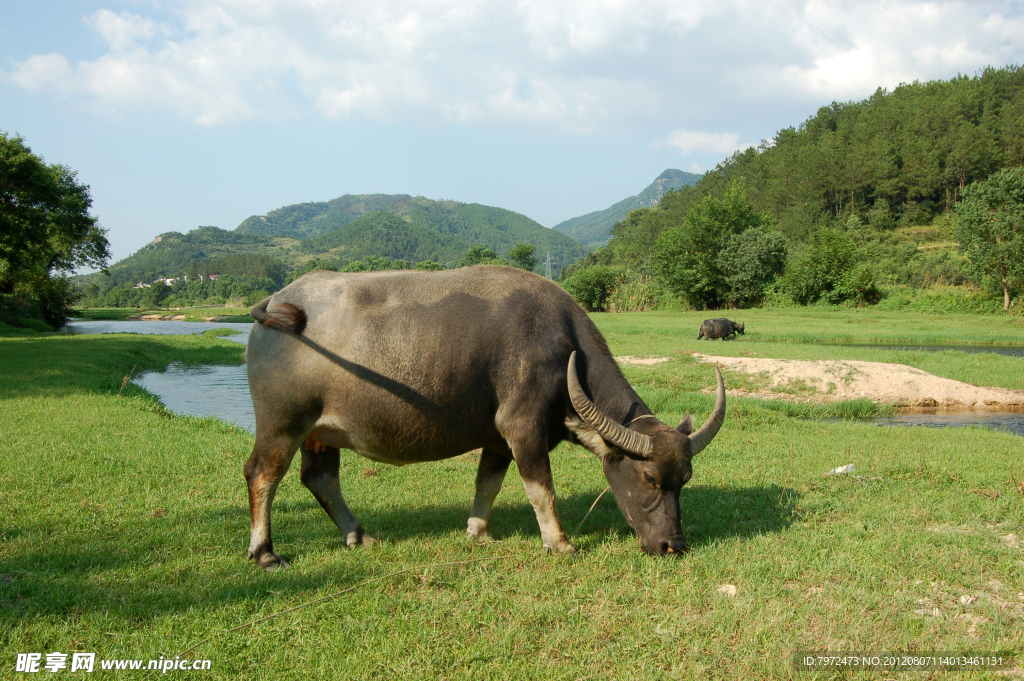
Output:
[[629, 359], [838, 380]]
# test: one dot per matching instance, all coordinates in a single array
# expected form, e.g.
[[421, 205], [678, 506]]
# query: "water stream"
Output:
[[89, 326], [1008, 350], [1009, 422]]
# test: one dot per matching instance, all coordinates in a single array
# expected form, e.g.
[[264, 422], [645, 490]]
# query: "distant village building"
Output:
[[214, 277]]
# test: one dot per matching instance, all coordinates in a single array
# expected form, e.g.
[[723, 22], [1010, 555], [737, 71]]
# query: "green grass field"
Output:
[[123, 528]]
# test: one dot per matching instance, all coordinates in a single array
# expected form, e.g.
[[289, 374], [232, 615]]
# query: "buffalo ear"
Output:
[[686, 425]]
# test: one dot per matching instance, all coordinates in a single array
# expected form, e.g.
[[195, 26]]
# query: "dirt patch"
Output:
[[838, 380], [629, 359]]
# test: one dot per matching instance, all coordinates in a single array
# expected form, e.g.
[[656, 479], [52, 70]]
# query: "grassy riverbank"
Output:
[[123, 531]]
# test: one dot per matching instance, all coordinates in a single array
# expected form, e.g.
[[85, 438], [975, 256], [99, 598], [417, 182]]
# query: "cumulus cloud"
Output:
[[691, 141], [561, 65]]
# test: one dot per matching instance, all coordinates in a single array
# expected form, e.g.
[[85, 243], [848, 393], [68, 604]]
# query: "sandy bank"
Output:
[[837, 380]]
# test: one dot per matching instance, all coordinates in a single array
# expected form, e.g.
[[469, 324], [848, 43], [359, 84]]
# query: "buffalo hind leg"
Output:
[[263, 473], [489, 476], [535, 469], [320, 476]]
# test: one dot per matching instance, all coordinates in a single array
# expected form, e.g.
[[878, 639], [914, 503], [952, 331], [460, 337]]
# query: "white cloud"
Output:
[[562, 65], [691, 142]]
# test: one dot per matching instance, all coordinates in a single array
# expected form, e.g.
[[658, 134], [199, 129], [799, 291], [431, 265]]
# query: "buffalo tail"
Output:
[[284, 316]]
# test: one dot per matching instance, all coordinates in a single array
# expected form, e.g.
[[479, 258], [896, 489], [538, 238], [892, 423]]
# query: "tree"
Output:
[[155, 294], [990, 227], [686, 257], [376, 263], [46, 231], [429, 266], [522, 256], [481, 255]]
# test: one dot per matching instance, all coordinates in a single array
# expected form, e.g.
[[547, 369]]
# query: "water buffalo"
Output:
[[404, 367], [718, 328]]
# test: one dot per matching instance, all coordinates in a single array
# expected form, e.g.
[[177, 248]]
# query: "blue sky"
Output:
[[183, 113]]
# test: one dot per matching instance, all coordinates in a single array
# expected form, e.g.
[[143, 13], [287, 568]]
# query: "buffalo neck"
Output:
[[610, 391]]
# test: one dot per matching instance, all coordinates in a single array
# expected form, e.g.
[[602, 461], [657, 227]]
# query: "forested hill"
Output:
[[594, 229], [306, 220], [172, 253], [860, 201], [350, 228], [896, 158]]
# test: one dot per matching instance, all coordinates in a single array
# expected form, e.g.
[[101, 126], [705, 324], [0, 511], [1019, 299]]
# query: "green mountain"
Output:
[[306, 220], [417, 229], [594, 229], [171, 252], [346, 229]]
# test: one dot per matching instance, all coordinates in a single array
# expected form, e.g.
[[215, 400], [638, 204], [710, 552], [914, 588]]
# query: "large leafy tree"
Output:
[[687, 257], [990, 227], [750, 262], [46, 231]]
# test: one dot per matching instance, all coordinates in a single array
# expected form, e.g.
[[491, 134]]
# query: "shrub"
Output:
[[592, 286]]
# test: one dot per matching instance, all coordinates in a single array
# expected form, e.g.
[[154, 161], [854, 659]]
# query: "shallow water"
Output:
[[1008, 350], [221, 391], [158, 328], [1010, 422]]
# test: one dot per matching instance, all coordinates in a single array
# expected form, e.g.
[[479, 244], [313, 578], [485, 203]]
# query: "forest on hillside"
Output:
[[859, 204]]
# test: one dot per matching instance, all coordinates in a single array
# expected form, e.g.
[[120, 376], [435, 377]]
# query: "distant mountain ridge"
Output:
[[307, 220], [353, 227], [594, 229]]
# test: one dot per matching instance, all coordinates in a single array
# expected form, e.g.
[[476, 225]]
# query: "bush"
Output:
[[592, 286]]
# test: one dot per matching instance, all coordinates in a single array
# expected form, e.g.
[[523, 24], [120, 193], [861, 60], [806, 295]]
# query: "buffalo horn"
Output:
[[617, 434], [706, 433]]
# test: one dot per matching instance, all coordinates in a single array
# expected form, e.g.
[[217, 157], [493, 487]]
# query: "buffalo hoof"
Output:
[[564, 549], [479, 530], [268, 560], [359, 538]]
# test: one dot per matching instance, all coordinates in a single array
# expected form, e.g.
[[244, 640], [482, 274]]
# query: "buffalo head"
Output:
[[646, 464]]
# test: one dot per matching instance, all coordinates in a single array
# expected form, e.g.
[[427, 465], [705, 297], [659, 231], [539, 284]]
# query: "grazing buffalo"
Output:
[[718, 328], [403, 367]]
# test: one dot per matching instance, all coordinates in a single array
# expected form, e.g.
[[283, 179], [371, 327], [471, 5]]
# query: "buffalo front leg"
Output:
[[489, 476], [535, 469], [263, 472], [320, 476]]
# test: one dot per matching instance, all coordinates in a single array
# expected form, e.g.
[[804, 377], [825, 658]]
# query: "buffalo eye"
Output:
[[649, 478]]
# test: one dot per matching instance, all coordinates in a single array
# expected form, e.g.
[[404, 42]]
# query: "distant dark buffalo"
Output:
[[403, 367], [718, 328]]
